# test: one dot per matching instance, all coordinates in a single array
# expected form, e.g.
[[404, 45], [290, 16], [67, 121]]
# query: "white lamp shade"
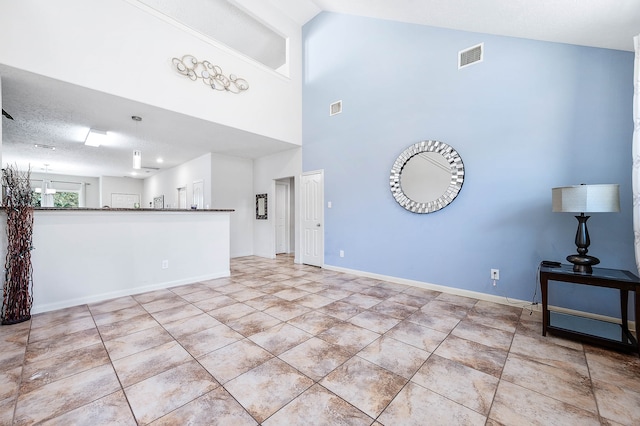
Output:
[[95, 138], [586, 198]]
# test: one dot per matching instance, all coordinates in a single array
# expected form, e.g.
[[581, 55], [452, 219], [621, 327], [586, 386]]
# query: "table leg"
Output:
[[637, 313], [624, 308], [545, 310]]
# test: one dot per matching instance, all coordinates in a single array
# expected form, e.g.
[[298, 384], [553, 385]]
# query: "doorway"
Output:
[[282, 217], [182, 197], [283, 213]]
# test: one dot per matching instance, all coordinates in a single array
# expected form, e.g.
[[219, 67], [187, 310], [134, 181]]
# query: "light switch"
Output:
[[328, 204]]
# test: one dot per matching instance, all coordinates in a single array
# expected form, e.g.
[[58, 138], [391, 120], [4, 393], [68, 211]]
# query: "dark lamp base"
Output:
[[582, 263]]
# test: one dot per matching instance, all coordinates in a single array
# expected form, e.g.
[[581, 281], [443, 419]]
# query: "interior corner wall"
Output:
[[2, 118], [531, 116], [167, 182], [232, 188], [3, 232], [266, 171]]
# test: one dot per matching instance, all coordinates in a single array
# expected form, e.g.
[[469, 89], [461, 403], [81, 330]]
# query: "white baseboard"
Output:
[[477, 295], [36, 309]]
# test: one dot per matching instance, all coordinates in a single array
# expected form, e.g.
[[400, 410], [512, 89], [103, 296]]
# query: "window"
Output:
[[60, 199]]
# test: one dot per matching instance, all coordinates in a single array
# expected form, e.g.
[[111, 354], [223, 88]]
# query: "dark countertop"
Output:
[[107, 209]]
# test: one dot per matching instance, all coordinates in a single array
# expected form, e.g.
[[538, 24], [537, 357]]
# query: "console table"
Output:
[[615, 336]]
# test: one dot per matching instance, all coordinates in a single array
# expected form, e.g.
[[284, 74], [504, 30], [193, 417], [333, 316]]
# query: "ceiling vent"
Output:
[[335, 108], [470, 56]]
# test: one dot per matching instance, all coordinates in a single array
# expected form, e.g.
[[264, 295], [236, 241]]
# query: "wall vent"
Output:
[[335, 108], [470, 56]]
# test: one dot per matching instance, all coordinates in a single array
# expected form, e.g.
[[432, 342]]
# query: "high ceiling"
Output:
[[609, 24], [58, 119]]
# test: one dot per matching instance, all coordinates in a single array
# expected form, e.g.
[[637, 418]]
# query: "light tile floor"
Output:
[[284, 344]]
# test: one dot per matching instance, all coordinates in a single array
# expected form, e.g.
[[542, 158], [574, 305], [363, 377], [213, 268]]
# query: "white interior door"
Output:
[[124, 201], [312, 193], [282, 218], [182, 197]]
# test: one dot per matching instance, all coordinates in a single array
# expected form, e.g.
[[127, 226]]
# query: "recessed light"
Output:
[[159, 160], [43, 146]]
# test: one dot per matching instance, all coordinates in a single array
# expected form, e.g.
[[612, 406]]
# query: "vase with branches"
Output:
[[18, 271]]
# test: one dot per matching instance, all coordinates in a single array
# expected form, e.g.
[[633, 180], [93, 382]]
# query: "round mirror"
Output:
[[427, 177]]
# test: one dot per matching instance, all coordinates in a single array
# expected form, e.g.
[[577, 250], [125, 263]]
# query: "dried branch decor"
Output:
[[18, 272]]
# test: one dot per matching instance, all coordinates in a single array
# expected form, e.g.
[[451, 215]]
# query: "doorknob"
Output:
[[318, 225]]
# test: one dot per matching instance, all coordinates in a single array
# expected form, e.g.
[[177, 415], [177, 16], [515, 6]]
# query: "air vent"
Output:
[[335, 108], [470, 56]]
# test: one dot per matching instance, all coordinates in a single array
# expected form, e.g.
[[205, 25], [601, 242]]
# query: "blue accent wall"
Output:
[[532, 116]]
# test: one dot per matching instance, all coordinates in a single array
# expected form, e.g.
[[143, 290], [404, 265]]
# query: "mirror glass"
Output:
[[422, 168], [427, 176]]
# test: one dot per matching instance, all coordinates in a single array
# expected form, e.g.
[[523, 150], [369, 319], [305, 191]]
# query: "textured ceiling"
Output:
[[48, 111]]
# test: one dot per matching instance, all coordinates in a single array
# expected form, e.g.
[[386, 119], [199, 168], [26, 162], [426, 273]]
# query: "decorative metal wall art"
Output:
[[18, 271], [210, 74]]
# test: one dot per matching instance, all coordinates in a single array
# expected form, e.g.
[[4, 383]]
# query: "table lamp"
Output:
[[585, 199]]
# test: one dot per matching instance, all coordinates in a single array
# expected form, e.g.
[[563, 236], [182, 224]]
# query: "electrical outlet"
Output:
[[495, 274], [165, 264], [341, 253]]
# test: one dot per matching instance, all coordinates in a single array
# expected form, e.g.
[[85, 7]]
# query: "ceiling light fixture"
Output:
[[39, 145], [159, 160], [47, 191], [95, 138], [137, 159]]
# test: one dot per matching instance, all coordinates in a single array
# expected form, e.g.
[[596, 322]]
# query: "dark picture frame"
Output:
[[261, 206]]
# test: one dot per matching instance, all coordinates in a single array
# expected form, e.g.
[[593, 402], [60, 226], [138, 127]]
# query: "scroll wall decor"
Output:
[[18, 271], [210, 74]]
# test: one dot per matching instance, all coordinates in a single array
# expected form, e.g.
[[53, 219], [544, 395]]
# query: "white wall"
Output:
[[1, 120], [266, 171], [116, 47], [87, 256], [167, 182], [119, 185], [232, 188]]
